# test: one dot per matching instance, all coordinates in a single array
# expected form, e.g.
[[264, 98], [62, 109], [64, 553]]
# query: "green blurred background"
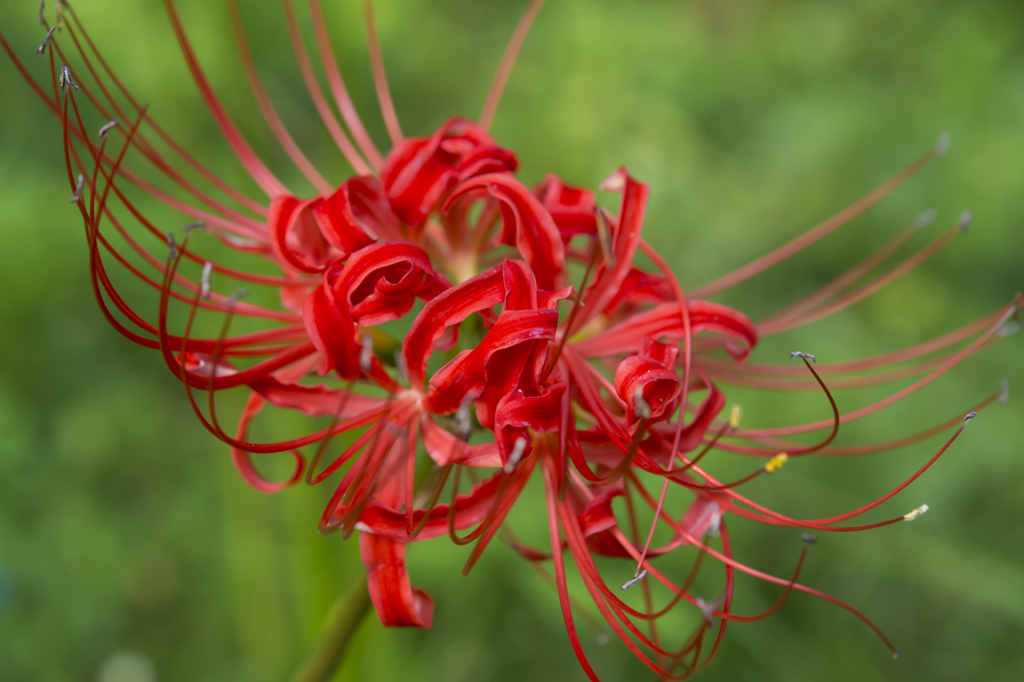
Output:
[[127, 541]]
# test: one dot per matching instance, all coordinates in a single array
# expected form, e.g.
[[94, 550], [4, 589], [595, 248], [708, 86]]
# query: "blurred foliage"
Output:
[[124, 528]]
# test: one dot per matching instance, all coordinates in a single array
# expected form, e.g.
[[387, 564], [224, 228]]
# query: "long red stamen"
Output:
[[851, 276], [208, 175], [550, 497], [508, 61], [267, 108], [326, 115], [380, 78], [782, 324], [803, 241], [341, 96], [256, 168], [232, 219]]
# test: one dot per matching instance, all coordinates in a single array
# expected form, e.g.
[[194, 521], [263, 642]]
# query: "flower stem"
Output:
[[328, 651]]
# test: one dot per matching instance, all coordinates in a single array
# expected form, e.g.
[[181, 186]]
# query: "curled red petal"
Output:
[[336, 216], [516, 413], [664, 321], [382, 282], [597, 515], [419, 173], [471, 370], [332, 330], [377, 283], [625, 237], [572, 208], [641, 287], [397, 602], [649, 375], [550, 299], [525, 224], [446, 309], [243, 461], [540, 413], [658, 385], [295, 237]]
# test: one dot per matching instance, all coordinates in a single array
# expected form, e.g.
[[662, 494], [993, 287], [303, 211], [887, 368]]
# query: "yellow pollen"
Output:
[[915, 513], [734, 416], [775, 462]]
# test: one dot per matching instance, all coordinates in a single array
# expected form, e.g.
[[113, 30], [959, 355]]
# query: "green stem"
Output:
[[329, 649]]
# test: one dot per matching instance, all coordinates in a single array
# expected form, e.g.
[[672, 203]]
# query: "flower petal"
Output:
[[472, 371], [470, 509], [526, 224], [419, 173], [316, 401], [572, 208], [295, 236], [625, 235], [664, 321], [449, 308], [243, 461], [444, 448], [381, 282], [336, 215], [397, 602]]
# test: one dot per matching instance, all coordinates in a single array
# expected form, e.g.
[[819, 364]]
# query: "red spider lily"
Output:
[[605, 385]]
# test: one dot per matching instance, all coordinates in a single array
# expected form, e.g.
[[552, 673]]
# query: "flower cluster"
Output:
[[540, 335]]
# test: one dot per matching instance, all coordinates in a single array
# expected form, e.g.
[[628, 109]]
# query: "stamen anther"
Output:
[[65, 78], [517, 454], [734, 416], [79, 187], [809, 538], [799, 354], [46, 40], [172, 245], [42, 12], [969, 417], [197, 225], [634, 580], [642, 407], [107, 127], [964, 221], [1004, 394], [708, 609], [463, 421], [235, 297], [925, 218], [204, 282], [1008, 329], [366, 353], [910, 516], [775, 463], [942, 145], [715, 527]]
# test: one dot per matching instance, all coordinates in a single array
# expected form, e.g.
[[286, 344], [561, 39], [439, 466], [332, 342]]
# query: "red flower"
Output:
[[604, 384]]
